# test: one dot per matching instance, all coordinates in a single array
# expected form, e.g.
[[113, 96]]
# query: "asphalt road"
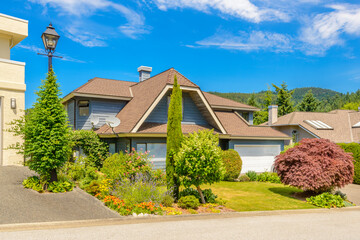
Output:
[[331, 224], [19, 205]]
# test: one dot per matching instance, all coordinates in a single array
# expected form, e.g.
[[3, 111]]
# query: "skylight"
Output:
[[318, 124]]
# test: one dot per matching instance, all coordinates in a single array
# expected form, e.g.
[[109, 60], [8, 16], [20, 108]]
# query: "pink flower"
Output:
[[138, 157]]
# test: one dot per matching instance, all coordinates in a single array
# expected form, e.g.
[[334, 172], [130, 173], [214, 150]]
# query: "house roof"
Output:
[[340, 121], [143, 96], [224, 103], [107, 87], [235, 125]]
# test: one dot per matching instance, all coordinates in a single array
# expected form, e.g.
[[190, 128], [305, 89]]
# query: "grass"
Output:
[[257, 196]]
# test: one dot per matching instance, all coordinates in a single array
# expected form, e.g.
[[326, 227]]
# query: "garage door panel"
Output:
[[258, 158]]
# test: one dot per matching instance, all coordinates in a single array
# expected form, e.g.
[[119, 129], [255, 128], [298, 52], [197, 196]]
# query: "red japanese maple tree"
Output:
[[315, 165]]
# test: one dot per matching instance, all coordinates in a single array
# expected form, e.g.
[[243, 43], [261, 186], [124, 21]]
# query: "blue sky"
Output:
[[221, 45]]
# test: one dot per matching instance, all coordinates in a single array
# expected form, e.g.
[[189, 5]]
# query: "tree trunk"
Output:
[[201, 194], [53, 175]]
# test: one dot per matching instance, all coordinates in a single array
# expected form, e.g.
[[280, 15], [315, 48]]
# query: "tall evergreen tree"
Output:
[[284, 99], [309, 103], [46, 131], [252, 101], [174, 137]]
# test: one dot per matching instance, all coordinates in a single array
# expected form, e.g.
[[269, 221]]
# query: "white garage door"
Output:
[[258, 158]]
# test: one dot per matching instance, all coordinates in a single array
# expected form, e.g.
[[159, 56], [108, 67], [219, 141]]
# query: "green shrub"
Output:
[[140, 189], [91, 176], [60, 186], [353, 148], [96, 151], [93, 187], [287, 147], [55, 186], [33, 183], [244, 178], [189, 202], [326, 200], [74, 171], [167, 201], [199, 160], [232, 163], [209, 196], [252, 175], [268, 177], [341, 194], [126, 165]]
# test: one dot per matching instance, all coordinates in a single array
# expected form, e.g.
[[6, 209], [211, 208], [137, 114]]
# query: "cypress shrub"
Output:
[[232, 163], [174, 138], [353, 148]]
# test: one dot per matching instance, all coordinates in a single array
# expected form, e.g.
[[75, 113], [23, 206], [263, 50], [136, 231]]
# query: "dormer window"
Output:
[[83, 108]]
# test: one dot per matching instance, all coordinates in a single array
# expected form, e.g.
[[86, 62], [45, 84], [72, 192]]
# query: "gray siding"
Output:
[[102, 109], [70, 112], [191, 114]]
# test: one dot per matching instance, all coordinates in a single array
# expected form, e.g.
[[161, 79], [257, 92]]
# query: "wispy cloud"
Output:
[[326, 30], [253, 41], [81, 10], [35, 49], [243, 9]]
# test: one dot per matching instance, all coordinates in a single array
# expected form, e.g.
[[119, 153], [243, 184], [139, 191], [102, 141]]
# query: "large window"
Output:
[[157, 150], [83, 108]]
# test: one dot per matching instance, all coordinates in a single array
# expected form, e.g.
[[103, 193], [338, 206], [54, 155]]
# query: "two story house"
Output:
[[134, 115]]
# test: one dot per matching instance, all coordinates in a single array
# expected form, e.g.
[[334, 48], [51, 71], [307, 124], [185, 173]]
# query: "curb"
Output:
[[156, 218]]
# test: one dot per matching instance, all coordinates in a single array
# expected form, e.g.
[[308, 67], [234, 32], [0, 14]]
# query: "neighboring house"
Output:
[[12, 85], [339, 126], [134, 115]]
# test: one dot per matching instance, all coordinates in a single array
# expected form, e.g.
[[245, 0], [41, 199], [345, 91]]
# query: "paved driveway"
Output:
[[19, 205], [352, 192]]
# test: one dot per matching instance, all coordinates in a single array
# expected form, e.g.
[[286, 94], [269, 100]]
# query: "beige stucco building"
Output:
[[12, 85]]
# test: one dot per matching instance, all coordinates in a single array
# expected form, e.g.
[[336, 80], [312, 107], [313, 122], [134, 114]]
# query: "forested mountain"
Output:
[[298, 99], [319, 93]]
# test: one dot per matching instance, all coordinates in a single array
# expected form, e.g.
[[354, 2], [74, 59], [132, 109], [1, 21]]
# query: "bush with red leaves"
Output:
[[315, 165]]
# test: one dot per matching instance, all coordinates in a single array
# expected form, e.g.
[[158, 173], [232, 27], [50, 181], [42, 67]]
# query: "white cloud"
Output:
[[253, 41], [35, 49], [326, 30], [80, 9], [237, 8]]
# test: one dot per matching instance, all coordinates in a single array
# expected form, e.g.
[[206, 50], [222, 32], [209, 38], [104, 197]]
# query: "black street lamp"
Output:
[[50, 39]]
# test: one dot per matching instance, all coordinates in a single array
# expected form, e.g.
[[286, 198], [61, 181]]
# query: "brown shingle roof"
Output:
[[236, 126], [162, 128], [108, 87], [340, 120], [144, 94], [215, 100]]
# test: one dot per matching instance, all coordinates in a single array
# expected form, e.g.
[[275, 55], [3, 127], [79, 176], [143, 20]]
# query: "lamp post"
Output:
[[50, 39]]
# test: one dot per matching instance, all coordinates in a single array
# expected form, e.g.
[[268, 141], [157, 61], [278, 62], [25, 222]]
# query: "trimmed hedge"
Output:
[[353, 148], [232, 163]]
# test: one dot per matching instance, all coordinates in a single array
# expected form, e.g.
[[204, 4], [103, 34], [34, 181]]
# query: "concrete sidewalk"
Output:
[[19, 205]]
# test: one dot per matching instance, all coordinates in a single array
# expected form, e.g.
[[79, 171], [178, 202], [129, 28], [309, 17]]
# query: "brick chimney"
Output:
[[144, 73], [273, 114]]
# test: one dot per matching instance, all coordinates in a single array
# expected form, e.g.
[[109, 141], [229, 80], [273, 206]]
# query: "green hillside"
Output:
[[319, 93]]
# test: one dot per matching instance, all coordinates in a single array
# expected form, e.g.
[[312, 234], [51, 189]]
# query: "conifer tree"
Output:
[[252, 101], [284, 99], [309, 103], [174, 137], [46, 132], [263, 115]]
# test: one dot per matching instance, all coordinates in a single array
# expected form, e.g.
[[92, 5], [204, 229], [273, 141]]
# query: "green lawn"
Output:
[[257, 196]]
